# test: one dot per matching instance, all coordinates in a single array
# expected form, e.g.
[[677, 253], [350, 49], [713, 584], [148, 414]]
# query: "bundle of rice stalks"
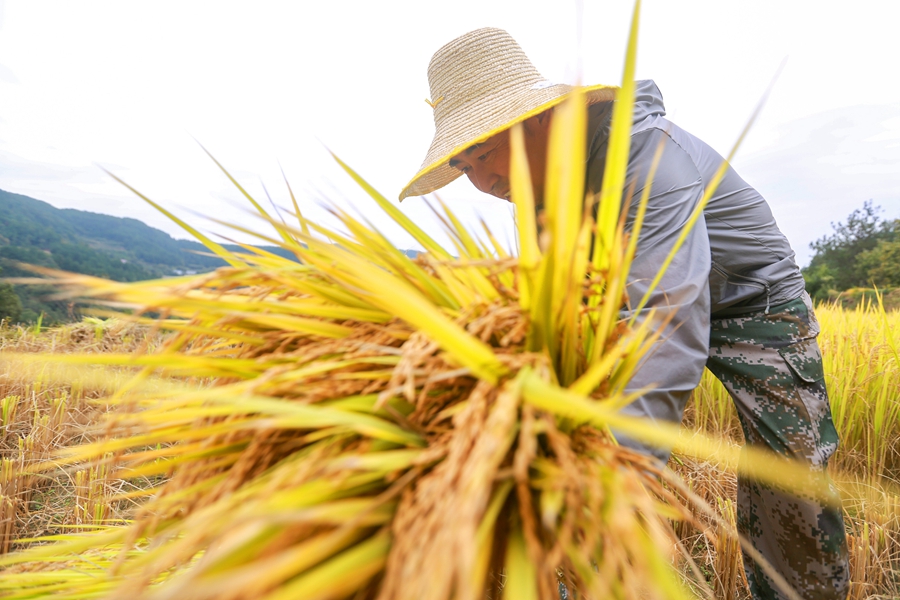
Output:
[[382, 427]]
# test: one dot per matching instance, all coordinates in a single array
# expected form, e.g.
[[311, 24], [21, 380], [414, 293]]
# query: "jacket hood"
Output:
[[648, 100]]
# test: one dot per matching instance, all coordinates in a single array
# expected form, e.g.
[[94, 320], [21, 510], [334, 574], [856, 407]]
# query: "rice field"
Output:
[[42, 415], [49, 408]]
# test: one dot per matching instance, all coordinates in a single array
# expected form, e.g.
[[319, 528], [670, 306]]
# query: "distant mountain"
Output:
[[33, 232]]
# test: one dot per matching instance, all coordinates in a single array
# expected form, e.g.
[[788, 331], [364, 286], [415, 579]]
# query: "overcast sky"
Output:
[[129, 86]]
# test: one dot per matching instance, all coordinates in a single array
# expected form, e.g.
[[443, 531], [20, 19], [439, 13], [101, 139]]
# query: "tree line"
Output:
[[861, 253]]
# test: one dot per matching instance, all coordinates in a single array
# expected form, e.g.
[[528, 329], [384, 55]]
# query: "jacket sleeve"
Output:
[[675, 363]]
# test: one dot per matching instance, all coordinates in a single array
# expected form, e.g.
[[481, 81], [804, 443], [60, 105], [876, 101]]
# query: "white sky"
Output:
[[128, 85]]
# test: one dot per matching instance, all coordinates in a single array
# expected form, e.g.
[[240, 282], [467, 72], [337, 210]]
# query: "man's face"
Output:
[[487, 164]]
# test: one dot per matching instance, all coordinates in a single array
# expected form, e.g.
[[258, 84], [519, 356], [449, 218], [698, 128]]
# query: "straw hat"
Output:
[[481, 84]]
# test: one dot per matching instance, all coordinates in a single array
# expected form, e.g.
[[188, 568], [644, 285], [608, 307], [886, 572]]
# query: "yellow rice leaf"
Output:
[[360, 511], [234, 181], [297, 212], [662, 576], [618, 278], [498, 249], [305, 416], [521, 575], [617, 155], [750, 461], [396, 214], [569, 238], [184, 326], [213, 246], [341, 575], [599, 370], [564, 188], [522, 195], [469, 245], [542, 333], [399, 263], [67, 546], [236, 570], [391, 460], [297, 324], [397, 297], [169, 361], [485, 535]]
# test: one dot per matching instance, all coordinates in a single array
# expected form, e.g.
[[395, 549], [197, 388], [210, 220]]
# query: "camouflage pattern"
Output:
[[772, 367]]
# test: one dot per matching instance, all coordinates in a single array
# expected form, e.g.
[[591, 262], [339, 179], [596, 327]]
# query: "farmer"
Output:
[[738, 297]]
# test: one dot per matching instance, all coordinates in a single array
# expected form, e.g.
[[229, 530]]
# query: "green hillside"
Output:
[[33, 232]]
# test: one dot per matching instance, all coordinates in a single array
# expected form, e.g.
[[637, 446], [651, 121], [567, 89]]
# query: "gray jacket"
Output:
[[735, 261]]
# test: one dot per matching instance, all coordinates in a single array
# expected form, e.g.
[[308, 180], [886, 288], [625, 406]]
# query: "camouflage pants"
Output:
[[772, 367]]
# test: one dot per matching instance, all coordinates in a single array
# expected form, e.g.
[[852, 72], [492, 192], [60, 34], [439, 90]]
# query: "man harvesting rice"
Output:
[[736, 294]]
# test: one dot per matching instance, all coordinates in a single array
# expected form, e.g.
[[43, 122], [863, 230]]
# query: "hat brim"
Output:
[[437, 172]]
